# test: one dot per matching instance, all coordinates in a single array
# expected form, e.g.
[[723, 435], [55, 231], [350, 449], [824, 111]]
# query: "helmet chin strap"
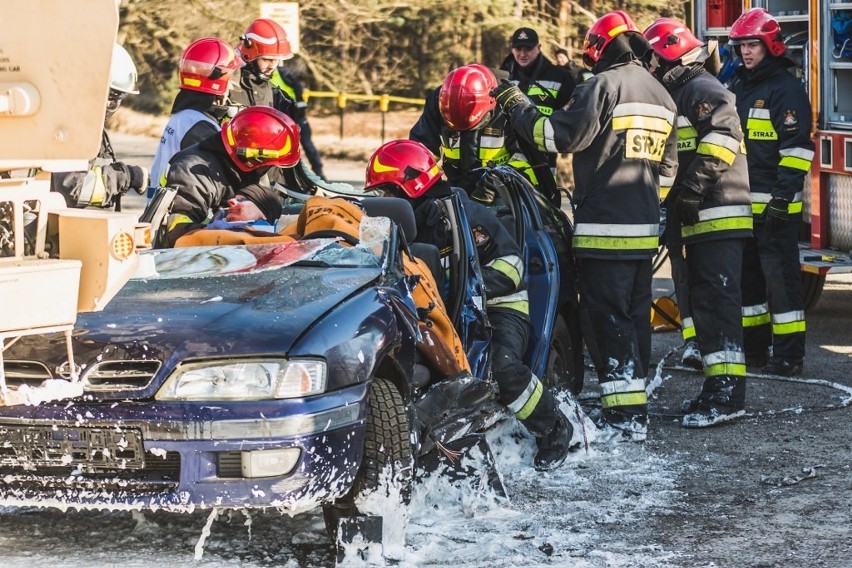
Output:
[[255, 70]]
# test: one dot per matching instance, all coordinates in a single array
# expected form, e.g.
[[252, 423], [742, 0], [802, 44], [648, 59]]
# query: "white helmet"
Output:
[[122, 71]]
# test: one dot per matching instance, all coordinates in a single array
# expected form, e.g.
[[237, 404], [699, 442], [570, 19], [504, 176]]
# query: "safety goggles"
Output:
[[114, 100]]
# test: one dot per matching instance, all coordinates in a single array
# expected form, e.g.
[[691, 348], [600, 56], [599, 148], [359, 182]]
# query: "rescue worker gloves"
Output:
[[510, 97], [487, 189], [687, 205], [138, 179], [776, 211]]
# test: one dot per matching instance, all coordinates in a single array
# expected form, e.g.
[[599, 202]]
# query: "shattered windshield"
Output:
[[230, 259]]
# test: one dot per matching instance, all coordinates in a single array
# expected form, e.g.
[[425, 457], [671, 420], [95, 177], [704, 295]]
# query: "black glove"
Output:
[[776, 211], [138, 179], [487, 189], [509, 97], [686, 205]]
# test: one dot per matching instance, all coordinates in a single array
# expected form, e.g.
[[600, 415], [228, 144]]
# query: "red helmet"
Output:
[[758, 24], [465, 97], [407, 164], [260, 136], [602, 32], [671, 39], [264, 38], [206, 65]]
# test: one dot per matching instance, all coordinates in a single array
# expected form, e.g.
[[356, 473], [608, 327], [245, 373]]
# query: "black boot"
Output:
[[554, 446], [722, 399], [783, 367]]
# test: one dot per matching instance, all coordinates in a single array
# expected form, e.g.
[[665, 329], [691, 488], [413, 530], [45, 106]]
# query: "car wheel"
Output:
[[565, 360], [387, 448]]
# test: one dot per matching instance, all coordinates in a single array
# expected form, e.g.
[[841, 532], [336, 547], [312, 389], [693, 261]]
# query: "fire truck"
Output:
[[817, 34], [55, 262]]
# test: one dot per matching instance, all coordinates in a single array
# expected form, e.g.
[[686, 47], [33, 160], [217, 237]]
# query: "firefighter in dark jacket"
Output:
[[107, 178], [263, 46], [228, 165], [459, 125], [205, 68], [620, 125], [709, 209], [775, 115], [548, 86], [407, 169]]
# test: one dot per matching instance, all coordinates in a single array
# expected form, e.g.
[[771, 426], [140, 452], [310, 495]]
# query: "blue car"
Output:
[[279, 375]]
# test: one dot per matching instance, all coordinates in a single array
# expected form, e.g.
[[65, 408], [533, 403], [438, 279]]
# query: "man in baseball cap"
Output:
[[547, 85], [525, 37]]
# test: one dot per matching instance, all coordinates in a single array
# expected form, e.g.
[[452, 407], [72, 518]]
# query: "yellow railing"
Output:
[[344, 98]]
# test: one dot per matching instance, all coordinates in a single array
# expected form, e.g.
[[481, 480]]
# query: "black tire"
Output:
[[387, 443], [565, 359], [812, 285]]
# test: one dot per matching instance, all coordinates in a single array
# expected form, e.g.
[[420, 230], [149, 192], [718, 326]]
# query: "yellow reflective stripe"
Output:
[[179, 219], [615, 243], [624, 399], [760, 129], [536, 90], [686, 138], [646, 122], [99, 189], [795, 163], [451, 153], [508, 268], [788, 328], [794, 207], [545, 110], [522, 306], [730, 369], [543, 135], [788, 322], [716, 151], [687, 328], [714, 225], [664, 191], [493, 154], [756, 320], [532, 401]]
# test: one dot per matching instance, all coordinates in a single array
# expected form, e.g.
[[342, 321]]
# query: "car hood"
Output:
[[235, 308]]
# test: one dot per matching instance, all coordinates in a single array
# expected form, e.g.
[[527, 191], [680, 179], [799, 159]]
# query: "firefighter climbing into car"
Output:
[[407, 169]]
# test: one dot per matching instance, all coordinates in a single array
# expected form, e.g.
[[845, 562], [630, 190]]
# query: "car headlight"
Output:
[[249, 379]]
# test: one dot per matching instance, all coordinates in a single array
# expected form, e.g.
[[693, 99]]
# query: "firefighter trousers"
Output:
[[773, 306], [714, 269], [615, 300], [680, 279], [521, 391]]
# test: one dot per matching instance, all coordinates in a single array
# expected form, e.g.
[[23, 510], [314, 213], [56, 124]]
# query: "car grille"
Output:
[[121, 375], [104, 376], [43, 459]]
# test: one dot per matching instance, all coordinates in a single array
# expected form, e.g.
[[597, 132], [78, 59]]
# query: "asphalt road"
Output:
[[772, 489]]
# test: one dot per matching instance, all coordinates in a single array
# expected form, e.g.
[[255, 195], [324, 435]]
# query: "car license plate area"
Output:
[[88, 449]]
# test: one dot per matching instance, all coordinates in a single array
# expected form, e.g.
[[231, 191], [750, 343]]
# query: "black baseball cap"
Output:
[[524, 37]]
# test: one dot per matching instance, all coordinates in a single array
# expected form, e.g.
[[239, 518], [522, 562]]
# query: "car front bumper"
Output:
[[289, 454]]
